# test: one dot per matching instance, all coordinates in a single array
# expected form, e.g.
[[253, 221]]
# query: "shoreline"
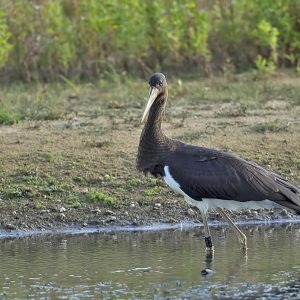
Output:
[[75, 230]]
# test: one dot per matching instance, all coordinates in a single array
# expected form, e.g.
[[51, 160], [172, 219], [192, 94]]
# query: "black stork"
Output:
[[207, 178]]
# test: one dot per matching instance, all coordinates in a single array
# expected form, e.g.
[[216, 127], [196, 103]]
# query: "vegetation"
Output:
[[102, 197], [83, 39], [274, 126], [70, 159]]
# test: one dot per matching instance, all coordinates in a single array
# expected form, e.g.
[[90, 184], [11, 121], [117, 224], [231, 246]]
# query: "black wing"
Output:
[[208, 173]]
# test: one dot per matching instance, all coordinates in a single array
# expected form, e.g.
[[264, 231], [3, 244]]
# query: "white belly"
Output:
[[208, 203]]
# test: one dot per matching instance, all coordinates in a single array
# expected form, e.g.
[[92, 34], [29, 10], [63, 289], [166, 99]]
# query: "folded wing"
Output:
[[207, 173]]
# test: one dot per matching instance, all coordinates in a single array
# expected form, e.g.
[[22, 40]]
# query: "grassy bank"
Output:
[[67, 151]]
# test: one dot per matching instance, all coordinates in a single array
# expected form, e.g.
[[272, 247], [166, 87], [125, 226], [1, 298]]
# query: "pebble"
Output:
[[284, 213], [62, 209], [111, 219], [191, 212], [10, 226], [157, 206], [84, 190], [134, 222], [133, 204], [110, 212]]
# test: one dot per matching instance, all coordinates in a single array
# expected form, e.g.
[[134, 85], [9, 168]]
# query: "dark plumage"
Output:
[[203, 173]]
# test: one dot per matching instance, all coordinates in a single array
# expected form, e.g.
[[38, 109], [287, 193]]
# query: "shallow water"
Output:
[[162, 264]]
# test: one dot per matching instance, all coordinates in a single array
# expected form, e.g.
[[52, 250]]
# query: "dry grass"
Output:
[[91, 145]]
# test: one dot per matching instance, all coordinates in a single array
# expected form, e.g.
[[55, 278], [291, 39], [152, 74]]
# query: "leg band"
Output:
[[208, 242]]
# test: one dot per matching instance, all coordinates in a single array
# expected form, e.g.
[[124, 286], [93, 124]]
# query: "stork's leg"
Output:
[[208, 241], [241, 236]]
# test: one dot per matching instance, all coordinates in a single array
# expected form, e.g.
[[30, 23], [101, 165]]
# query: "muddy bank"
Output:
[[79, 169], [133, 215]]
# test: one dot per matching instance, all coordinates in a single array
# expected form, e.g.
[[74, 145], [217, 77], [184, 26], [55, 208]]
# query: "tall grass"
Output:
[[47, 39]]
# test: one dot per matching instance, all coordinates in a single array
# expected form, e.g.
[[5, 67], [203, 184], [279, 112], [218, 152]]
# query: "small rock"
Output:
[[110, 212], [62, 209], [10, 226], [157, 206], [134, 222], [84, 224], [133, 204], [172, 220], [111, 219], [62, 215], [84, 190], [191, 212], [97, 210], [284, 213]]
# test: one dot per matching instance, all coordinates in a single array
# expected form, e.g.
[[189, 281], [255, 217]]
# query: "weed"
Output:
[[152, 191], [101, 197], [39, 205], [296, 161], [12, 192], [49, 157], [71, 165], [275, 126], [73, 201], [79, 179], [8, 118], [132, 182]]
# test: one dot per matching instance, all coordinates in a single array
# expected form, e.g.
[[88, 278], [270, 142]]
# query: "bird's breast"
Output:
[[171, 182]]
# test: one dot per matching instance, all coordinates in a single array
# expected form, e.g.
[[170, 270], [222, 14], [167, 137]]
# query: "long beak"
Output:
[[153, 93]]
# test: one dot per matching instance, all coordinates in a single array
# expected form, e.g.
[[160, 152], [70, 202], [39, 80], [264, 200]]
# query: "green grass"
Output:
[[132, 183], [39, 205], [101, 197], [152, 191], [296, 161], [8, 117], [12, 192], [275, 126], [39, 102], [73, 201]]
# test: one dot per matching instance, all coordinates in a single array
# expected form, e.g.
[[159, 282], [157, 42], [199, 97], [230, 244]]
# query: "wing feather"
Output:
[[207, 173]]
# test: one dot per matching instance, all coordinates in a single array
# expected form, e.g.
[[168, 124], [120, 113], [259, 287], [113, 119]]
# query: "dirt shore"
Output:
[[80, 169]]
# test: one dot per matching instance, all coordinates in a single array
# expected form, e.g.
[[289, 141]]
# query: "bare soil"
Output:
[[80, 170]]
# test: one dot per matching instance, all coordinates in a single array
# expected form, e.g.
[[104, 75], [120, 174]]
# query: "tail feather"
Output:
[[291, 192]]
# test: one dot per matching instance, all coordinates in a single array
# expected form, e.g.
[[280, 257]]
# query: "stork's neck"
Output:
[[152, 128], [154, 144]]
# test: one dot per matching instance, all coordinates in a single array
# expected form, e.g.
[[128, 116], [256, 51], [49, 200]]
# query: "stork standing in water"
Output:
[[207, 178]]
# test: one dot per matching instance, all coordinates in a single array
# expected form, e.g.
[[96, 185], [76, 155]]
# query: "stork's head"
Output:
[[157, 87]]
